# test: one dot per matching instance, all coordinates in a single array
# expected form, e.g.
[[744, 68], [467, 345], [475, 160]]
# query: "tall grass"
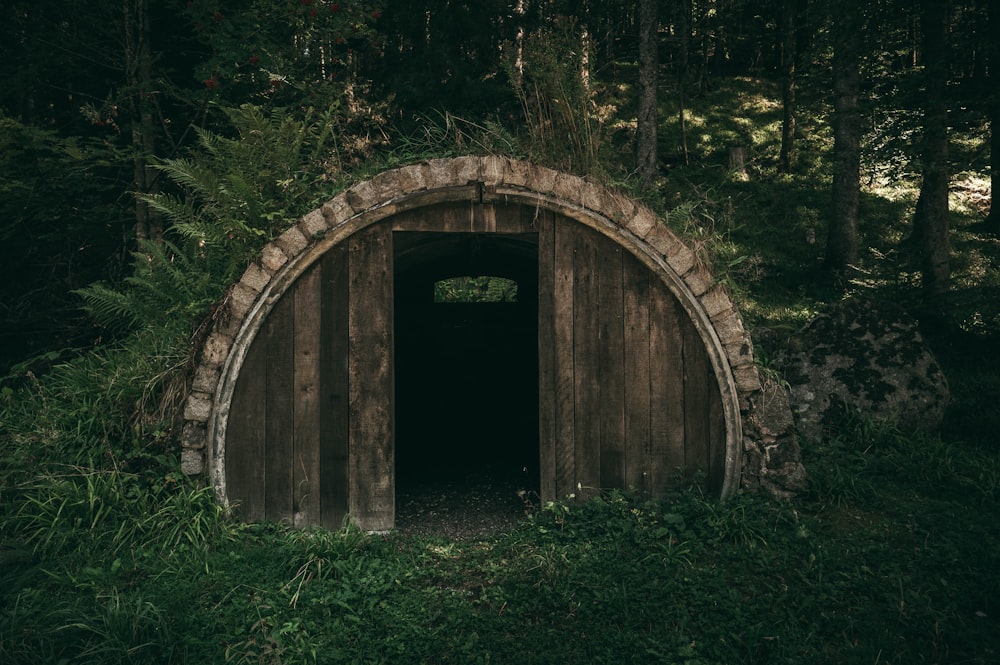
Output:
[[904, 572]]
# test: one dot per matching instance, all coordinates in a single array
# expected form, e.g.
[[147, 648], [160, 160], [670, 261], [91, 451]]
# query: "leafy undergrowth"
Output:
[[893, 558]]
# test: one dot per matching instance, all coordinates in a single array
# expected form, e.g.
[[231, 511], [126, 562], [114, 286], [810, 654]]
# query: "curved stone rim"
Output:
[[472, 178]]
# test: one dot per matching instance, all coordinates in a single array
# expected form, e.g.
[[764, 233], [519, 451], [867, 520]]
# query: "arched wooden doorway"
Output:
[[635, 349]]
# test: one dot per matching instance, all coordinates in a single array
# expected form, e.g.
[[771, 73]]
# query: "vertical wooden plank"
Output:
[[514, 218], [666, 376], [245, 442], [611, 351], [586, 362], [372, 486], [637, 396], [696, 402], [278, 336], [547, 429], [562, 354], [335, 413], [484, 217], [306, 423]]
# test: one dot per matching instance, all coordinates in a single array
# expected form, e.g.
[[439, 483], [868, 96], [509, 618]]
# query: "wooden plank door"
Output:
[[628, 398], [273, 438], [310, 434], [371, 414]]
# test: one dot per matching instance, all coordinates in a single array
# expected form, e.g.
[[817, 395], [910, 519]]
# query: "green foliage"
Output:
[[92, 503], [91, 402], [551, 77], [92, 536], [294, 51], [167, 286], [154, 572], [444, 134], [58, 223], [475, 289], [233, 195], [241, 188], [118, 629]]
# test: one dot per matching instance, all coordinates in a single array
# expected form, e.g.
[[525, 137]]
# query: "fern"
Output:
[[682, 217], [231, 195], [200, 180], [502, 140], [167, 283], [174, 281], [108, 306]]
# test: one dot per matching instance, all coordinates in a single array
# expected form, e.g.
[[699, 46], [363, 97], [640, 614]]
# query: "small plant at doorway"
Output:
[[468, 289], [532, 501]]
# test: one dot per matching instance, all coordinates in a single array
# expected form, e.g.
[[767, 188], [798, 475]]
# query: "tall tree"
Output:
[[930, 220], [441, 53], [649, 62], [842, 238], [684, 21], [138, 61], [993, 41], [789, 9]]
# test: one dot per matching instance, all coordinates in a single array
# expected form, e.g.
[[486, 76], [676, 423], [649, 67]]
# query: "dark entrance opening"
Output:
[[466, 372]]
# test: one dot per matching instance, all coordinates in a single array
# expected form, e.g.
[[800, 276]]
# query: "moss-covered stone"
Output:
[[863, 356]]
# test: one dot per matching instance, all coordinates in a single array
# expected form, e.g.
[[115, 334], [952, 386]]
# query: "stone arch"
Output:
[[472, 186]]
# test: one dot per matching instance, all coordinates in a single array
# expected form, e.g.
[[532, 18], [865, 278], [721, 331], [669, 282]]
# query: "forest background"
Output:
[[96, 102], [808, 149]]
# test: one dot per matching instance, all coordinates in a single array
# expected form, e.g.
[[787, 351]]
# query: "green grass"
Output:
[[892, 559]]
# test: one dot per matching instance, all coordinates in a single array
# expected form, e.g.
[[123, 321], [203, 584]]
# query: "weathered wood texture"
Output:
[[372, 469], [627, 396], [335, 389], [467, 217], [311, 436]]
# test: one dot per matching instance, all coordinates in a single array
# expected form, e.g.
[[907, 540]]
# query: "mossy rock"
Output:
[[866, 357]]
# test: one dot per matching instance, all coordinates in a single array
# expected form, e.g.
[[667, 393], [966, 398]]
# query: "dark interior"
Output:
[[466, 374]]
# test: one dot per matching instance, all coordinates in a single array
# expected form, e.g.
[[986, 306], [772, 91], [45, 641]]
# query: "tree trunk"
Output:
[[993, 36], [703, 29], [930, 221], [842, 239], [788, 23], [646, 149], [684, 34], [738, 162], [993, 218], [138, 77]]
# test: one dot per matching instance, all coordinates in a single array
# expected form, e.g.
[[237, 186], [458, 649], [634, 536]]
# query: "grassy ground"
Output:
[[109, 556], [892, 559]]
